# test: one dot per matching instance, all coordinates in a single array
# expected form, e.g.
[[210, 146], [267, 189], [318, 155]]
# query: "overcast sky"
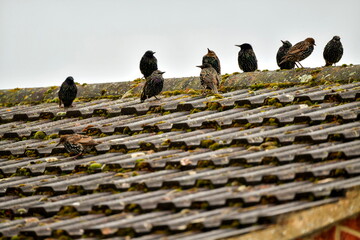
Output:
[[44, 41]]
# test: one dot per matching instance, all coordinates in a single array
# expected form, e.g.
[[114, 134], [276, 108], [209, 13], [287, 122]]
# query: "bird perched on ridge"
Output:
[[209, 78], [333, 51], [67, 92], [281, 53], [246, 58], [153, 85], [148, 63], [299, 51], [213, 60], [76, 143]]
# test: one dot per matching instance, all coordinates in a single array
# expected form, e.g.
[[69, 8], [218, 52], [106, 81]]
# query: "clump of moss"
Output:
[[172, 93], [137, 80], [213, 106], [39, 135], [165, 142], [48, 91], [157, 109], [23, 172], [195, 110], [95, 166], [52, 136], [30, 153], [217, 96], [193, 92], [272, 122], [139, 160], [215, 146], [271, 101], [68, 211]]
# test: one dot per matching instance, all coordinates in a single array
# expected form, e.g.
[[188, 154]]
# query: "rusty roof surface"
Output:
[[182, 167]]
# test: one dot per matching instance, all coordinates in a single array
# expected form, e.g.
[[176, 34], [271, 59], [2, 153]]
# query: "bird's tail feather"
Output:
[[143, 97]]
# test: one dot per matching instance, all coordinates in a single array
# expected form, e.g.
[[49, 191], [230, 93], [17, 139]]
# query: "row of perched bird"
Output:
[[287, 57]]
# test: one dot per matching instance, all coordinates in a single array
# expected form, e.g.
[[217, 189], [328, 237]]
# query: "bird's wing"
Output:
[[218, 79], [299, 47], [67, 91], [87, 141], [209, 79]]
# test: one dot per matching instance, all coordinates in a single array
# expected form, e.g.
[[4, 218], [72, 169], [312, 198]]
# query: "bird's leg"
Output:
[[297, 65], [301, 65], [156, 98], [204, 92]]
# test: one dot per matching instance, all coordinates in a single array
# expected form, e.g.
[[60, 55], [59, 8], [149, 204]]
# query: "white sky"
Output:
[[44, 41]]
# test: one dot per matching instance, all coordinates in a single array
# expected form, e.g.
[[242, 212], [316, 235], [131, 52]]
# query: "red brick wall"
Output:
[[347, 230]]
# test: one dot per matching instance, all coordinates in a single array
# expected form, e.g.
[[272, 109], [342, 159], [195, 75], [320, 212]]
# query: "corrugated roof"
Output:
[[182, 167]]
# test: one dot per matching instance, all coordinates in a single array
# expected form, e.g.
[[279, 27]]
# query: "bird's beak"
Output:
[[238, 45], [199, 66], [282, 41], [208, 49], [162, 72]]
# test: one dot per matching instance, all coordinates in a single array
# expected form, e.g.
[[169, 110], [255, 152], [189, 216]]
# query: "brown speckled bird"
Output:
[[333, 51], [78, 144], [209, 78], [148, 63], [281, 53], [299, 51], [213, 60]]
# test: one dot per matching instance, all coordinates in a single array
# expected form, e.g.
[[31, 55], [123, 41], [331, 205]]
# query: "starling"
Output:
[[281, 53], [67, 92], [148, 63], [153, 85], [76, 143], [299, 51], [247, 59], [213, 60], [209, 78], [333, 51]]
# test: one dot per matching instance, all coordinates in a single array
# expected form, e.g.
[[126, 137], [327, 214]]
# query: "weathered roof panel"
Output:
[[188, 166]]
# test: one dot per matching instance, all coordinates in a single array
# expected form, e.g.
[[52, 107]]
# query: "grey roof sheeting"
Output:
[[183, 167]]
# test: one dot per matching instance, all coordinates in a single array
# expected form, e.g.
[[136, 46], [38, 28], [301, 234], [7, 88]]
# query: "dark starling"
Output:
[[153, 85], [333, 51], [246, 58], [67, 92], [148, 63], [76, 143], [299, 51], [213, 60], [209, 78], [281, 53]]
